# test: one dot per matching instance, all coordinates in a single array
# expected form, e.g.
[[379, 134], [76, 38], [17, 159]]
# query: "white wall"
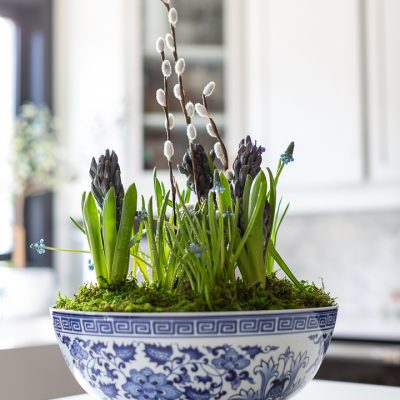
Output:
[[93, 104]]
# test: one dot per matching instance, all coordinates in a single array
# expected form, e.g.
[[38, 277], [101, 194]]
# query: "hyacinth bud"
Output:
[[191, 132], [160, 96], [173, 16], [168, 150], [160, 44], [190, 109], [208, 89], [105, 174], [219, 152], [247, 162], [204, 176], [229, 174], [201, 110], [177, 91], [171, 121], [169, 39], [166, 68], [180, 66], [210, 130]]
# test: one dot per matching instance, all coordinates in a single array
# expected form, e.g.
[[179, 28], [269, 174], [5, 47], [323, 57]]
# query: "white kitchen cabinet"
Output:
[[324, 74], [309, 88]]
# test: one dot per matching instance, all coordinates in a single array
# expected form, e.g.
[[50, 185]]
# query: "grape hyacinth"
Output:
[[90, 265], [39, 246], [195, 249], [142, 215], [287, 156], [217, 187]]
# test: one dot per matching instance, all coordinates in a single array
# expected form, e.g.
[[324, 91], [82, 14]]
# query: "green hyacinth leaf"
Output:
[[120, 265], [246, 199], [279, 260], [109, 227], [93, 232], [226, 194], [78, 225]]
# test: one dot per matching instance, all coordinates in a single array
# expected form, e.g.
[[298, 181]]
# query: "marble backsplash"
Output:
[[358, 256]]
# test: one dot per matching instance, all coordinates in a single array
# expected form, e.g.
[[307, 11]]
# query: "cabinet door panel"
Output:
[[309, 88], [384, 88]]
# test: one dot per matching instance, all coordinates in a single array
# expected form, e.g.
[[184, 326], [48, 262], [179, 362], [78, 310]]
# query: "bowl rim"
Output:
[[193, 314]]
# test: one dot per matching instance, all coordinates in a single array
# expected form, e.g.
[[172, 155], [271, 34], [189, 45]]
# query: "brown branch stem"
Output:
[[183, 105], [216, 131], [168, 132]]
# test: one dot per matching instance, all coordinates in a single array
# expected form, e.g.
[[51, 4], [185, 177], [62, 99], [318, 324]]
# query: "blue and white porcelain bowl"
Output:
[[260, 355]]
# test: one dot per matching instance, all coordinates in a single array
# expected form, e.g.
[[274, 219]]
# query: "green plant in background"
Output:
[[215, 247], [35, 160], [35, 165]]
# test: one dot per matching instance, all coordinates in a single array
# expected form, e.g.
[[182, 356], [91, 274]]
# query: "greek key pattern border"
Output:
[[158, 326]]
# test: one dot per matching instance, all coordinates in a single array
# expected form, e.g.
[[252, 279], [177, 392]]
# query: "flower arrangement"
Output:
[[218, 252]]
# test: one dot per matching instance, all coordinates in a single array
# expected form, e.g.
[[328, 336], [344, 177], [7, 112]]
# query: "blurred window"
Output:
[[200, 41], [8, 57]]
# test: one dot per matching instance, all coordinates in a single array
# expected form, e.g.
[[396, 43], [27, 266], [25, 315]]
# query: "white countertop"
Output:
[[367, 328], [26, 332], [327, 390]]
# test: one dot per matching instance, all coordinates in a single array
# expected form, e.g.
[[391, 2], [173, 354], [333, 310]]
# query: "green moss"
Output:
[[277, 294]]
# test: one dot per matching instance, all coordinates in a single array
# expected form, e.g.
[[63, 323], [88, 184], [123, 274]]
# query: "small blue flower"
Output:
[[286, 158], [196, 249], [39, 246], [90, 265], [142, 215], [218, 188], [228, 213]]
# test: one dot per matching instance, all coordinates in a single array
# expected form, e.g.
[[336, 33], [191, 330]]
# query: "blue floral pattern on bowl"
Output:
[[256, 366]]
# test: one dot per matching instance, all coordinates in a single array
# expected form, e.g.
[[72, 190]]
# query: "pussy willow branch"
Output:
[[216, 131], [168, 132], [183, 103]]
